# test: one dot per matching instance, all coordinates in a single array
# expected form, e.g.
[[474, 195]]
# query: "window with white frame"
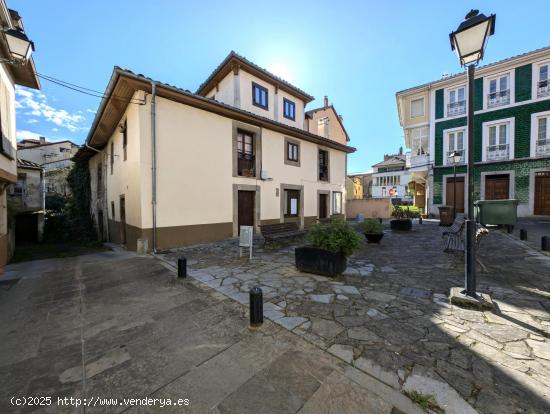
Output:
[[543, 88], [417, 107], [542, 143], [499, 91], [455, 142], [456, 101], [498, 146], [419, 140], [336, 202]]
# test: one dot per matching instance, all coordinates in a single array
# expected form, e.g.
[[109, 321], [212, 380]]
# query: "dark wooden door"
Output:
[[100, 224], [497, 187], [449, 191], [246, 208], [323, 206], [542, 193], [122, 220]]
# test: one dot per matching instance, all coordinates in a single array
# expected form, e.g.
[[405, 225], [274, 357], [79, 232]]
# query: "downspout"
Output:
[[103, 190], [154, 163]]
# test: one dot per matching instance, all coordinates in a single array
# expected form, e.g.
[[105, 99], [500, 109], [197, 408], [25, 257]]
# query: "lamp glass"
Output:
[[20, 47]]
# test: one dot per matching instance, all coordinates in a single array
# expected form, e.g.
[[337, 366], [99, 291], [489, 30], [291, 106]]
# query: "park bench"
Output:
[[453, 236], [273, 232]]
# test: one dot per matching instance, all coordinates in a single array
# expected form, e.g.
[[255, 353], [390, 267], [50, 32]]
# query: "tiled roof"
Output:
[[392, 160], [244, 60], [27, 164], [456, 75]]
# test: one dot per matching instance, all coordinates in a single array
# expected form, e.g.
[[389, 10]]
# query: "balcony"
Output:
[[323, 172], [462, 160], [543, 89], [498, 98], [498, 152], [543, 147], [246, 164], [456, 108]]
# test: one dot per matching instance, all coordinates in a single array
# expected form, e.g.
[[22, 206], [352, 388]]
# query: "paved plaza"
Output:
[[389, 315]]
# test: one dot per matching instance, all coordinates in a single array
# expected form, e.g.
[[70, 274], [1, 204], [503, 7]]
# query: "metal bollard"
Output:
[[544, 243], [256, 307], [182, 267], [522, 234], [509, 228]]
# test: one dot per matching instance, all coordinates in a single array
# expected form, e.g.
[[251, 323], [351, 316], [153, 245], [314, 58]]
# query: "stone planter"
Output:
[[319, 261], [401, 225], [374, 237]]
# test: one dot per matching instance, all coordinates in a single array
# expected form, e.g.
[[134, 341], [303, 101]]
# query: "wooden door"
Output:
[[449, 193], [323, 204], [497, 187], [542, 193], [246, 208], [122, 220]]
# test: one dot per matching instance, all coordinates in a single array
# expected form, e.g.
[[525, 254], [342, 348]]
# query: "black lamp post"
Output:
[[454, 158], [19, 45], [469, 42]]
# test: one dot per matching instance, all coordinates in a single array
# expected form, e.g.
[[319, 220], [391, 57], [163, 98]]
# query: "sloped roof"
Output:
[[312, 111], [392, 160], [21, 163], [234, 58]]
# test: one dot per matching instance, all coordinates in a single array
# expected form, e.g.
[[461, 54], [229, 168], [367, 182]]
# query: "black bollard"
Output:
[[544, 243], [522, 234], [182, 267], [256, 307], [509, 228], [420, 220]]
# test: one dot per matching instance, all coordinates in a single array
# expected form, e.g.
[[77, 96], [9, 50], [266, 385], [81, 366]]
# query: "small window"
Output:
[[292, 204], [336, 202], [246, 164], [417, 107], [112, 156], [292, 151], [124, 140], [113, 210], [289, 109], [259, 96], [323, 165]]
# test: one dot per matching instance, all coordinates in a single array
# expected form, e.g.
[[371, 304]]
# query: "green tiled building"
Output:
[[512, 134]]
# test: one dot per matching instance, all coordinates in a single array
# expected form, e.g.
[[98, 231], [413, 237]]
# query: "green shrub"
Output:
[[405, 212], [372, 226], [337, 237]]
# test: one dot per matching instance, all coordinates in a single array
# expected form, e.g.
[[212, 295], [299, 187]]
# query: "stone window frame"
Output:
[[446, 133], [341, 203], [257, 144], [535, 73], [285, 155], [535, 130], [257, 206], [511, 73], [511, 132], [322, 148], [300, 218]]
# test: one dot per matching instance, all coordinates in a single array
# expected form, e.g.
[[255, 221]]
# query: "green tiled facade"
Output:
[[522, 165]]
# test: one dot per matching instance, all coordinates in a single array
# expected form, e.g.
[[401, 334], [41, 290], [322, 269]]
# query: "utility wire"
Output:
[[88, 91]]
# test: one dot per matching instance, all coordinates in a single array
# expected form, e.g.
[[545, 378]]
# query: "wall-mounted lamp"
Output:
[[19, 45]]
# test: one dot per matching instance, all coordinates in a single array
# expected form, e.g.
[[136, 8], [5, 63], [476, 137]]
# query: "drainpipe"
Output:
[[103, 190], [154, 163]]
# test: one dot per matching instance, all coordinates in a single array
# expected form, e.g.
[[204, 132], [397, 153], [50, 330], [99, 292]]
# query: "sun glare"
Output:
[[281, 70]]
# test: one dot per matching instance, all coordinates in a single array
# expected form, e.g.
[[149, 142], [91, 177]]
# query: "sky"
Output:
[[358, 53]]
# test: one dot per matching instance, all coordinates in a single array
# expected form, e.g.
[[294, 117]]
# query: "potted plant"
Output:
[[373, 230], [328, 246], [402, 218]]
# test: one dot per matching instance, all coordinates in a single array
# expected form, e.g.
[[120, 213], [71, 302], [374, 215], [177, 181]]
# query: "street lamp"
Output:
[[469, 42], [454, 158], [19, 45]]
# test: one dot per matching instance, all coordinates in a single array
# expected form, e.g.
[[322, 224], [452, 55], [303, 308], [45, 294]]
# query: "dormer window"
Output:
[[289, 109], [259, 96], [542, 85]]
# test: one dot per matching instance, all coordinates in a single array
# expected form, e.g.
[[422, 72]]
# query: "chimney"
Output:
[[326, 102], [42, 140]]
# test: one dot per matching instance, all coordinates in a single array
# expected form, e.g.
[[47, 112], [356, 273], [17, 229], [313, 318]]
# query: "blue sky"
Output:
[[358, 53]]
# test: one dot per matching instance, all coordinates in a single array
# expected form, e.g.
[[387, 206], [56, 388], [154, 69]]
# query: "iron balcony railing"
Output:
[[456, 108], [543, 147], [498, 98], [246, 165], [449, 162], [498, 152], [543, 89]]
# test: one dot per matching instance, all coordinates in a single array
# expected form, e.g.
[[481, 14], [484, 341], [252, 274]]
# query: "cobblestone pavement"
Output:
[[389, 314], [112, 325]]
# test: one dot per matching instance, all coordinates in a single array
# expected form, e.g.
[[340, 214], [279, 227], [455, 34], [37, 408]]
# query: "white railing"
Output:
[[421, 160], [543, 147], [543, 89], [498, 152], [456, 108], [498, 98], [450, 162]]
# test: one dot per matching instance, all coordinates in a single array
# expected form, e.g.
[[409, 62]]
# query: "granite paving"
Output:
[[389, 315]]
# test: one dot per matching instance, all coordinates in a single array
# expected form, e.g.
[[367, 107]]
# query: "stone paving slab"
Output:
[[129, 329], [389, 314]]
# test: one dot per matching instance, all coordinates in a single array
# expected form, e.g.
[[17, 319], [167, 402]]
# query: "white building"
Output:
[[390, 177]]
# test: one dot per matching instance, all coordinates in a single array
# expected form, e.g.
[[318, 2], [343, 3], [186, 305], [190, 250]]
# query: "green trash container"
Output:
[[497, 212]]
